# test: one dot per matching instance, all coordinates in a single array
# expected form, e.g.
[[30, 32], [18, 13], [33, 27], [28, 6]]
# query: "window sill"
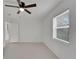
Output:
[[62, 40]]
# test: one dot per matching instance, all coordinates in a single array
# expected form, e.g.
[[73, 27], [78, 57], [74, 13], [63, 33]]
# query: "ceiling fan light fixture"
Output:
[[21, 9], [22, 6]]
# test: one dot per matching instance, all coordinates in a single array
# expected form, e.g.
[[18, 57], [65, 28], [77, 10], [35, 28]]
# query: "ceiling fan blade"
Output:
[[19, 2], [27, 11], [31, 5], [12, 6], [18, 12]]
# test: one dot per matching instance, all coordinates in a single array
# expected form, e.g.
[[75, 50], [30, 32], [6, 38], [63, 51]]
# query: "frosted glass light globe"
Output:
[[21, 9]]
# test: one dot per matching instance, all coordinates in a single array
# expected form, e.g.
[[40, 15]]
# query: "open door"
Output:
[[13, 32]]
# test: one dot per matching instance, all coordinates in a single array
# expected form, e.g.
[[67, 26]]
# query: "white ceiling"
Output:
[[43, 7]]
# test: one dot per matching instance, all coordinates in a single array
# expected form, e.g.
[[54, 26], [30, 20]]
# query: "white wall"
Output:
[[30, 30], [62, 50]]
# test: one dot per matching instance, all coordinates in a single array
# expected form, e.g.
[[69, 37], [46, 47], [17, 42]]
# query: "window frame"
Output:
[[60, 27]]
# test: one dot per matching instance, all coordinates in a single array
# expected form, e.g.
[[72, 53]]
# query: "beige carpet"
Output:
[[28, 51]]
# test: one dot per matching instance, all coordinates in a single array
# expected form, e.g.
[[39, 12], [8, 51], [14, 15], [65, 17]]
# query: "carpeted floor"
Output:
[[28, 51]]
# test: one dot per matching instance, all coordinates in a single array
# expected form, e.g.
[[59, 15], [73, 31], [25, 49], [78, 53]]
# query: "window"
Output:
[[61, 27]]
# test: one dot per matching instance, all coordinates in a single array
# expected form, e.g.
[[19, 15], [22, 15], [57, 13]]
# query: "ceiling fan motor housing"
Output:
[[22, 5]]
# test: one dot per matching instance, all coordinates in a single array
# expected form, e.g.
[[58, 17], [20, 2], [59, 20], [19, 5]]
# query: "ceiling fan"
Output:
[[22, 7]]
